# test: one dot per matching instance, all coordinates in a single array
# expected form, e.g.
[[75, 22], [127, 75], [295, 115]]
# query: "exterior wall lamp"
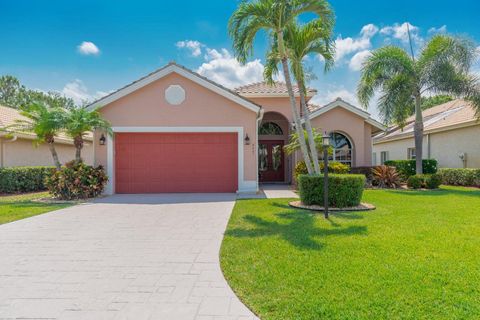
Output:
[[325, 145], [247, 140], [102, 140]]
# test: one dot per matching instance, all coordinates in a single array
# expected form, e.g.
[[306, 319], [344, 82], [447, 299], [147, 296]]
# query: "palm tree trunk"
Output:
[[293, 104], [308, 128], [418, 133], [78, 142], [51, 146]]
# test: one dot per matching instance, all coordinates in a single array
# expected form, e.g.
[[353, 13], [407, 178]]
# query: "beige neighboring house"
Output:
[[18, 149], [451, 136]]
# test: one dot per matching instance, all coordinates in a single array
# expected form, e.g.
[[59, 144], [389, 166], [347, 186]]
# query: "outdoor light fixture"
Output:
[[247, 140], [326, 145], [102, 140]]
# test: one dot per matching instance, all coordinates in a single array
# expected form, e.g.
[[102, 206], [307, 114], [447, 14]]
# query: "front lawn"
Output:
[[416, 257], [21, 206]]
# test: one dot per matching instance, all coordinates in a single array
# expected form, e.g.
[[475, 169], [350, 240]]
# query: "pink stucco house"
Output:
[[176, 131]]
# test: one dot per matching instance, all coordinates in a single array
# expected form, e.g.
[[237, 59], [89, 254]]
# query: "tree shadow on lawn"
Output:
[[300, 229]]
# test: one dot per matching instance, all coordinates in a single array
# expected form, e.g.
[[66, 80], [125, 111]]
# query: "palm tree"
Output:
[[301, 41], [46, 122], [442, 67], [272, 17], [294, 143], [79, 122]]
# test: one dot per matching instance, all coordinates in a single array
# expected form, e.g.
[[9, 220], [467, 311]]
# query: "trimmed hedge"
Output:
[[427, 181], [23, 179], [76, 181], [344, 190], [333, 167], [407, 167], [460, 177]]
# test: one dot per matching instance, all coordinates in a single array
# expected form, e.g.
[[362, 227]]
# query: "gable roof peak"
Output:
[[183, 71]]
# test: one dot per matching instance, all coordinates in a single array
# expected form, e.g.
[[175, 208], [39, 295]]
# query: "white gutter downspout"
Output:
[[259, 119], [428, 146]]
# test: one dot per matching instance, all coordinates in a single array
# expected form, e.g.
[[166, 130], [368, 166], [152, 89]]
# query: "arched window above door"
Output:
[[270, 129]]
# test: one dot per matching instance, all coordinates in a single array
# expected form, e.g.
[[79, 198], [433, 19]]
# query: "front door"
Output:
[[271, 161]]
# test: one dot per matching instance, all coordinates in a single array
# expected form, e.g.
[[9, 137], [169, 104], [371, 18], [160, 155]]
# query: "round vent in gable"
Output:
[[175, 94]]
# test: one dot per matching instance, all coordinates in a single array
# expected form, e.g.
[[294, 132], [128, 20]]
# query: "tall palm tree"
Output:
[[46, 122], [315, 37], [442, 67], [272, 17], [79, 122]]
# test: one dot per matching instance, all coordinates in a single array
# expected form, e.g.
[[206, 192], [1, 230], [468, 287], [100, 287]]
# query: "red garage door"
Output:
[[176, 162]]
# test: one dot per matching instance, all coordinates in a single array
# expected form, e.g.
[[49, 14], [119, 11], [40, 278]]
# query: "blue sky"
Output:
[[88, 48]]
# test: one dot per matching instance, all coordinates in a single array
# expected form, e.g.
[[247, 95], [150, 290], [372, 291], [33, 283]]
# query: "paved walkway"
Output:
[[123, 257], [271, 191]]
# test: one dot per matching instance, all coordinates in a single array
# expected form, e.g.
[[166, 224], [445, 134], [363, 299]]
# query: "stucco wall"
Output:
[[444, 146], [22, 152], [354, 127], [147, 107]]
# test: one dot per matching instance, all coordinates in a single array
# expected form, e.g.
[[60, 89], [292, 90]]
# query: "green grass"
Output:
[[21, 206], [416, 257]]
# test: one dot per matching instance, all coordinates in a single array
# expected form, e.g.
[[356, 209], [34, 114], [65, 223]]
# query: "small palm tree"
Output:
[[442, 67], [294, 143], [80, 121], [44, 121], [314, 37], [272, 17]]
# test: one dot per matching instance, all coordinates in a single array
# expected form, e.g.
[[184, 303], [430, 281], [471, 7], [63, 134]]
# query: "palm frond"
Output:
[[384, 64]]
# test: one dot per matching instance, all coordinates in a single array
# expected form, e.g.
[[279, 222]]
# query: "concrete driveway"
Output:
[[122, 257]]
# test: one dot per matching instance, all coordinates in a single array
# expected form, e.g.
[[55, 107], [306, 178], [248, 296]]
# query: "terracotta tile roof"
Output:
[[8, 117], [456, 112], [278, 88]]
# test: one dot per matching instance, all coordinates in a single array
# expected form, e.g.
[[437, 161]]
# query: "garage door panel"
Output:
[[176, 162]]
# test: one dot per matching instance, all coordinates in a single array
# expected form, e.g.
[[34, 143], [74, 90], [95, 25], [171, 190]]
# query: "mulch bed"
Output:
[[362, 207]]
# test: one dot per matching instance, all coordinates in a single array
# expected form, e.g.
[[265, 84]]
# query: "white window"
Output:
[[342, 149], [374, 159], [411, 153], [383, 157]]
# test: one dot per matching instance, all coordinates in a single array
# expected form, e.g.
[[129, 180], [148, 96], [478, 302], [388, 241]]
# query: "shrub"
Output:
[[76, 181], [414, 182], [432, 181], [428, 181], [344, 190], [333, 167], [23, 179], [460, 177], [386, 177], [406, 168]]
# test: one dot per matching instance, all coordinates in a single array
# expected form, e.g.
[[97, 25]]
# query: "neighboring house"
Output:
[[176, 131], [451, 136], [18, 149]]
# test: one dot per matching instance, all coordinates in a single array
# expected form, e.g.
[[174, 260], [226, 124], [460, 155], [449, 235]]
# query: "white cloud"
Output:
[[223, 68], [442, 29], [400, 32], [195, 47], [324, 97], [369, 30], [357, 60], [88, 48], [79, 93], [349, 45]]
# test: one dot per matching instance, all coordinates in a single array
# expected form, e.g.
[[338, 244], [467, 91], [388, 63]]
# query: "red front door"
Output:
[[271, 161]]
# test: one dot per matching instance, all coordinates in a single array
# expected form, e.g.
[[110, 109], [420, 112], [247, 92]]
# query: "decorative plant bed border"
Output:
[[362, 207]]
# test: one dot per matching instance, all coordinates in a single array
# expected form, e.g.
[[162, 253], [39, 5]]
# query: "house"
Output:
[[18, 148], [451, 136], [176, 131]]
